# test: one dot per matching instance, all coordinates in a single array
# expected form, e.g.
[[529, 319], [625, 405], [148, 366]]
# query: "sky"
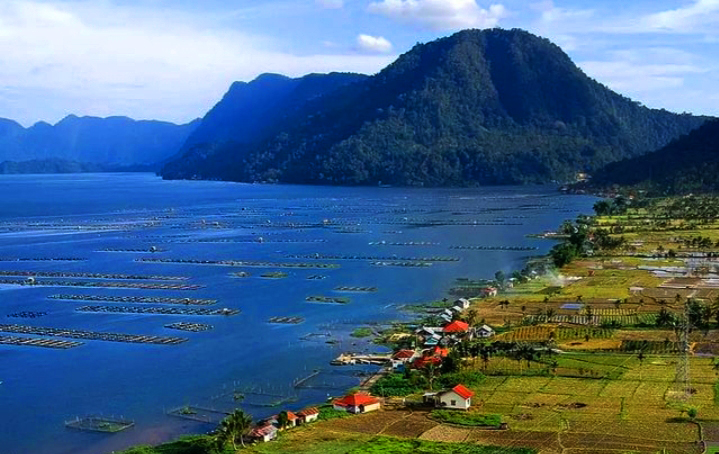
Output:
[[174, 59]]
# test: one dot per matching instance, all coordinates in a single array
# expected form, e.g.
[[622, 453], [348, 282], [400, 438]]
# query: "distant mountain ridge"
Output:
[[688, 164], [249, 110], [478, 107], [114, 141]]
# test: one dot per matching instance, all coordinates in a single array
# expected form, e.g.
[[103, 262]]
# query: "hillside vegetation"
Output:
[[475, 108]]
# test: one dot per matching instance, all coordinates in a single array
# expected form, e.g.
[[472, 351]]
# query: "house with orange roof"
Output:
[[457, 327], [457, 398], [356, 403], [308, 415]]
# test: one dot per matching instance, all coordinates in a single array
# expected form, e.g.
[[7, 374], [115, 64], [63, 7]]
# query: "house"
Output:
[[308, 415], [357, 403], [457, 309], [457, 398], [264, 433], [463, 303], [484, 331], [292, 419], [426, 361], [446, 318], [457, 327], [489, 292], [402, 357], [432, 340]]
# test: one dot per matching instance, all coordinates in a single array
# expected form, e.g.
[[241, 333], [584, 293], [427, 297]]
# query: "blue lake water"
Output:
[[79, 216]]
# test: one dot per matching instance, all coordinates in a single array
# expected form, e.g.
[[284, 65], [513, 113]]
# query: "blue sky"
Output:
[[173, 59]]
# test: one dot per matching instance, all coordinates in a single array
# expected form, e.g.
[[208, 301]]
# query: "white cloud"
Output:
[[373, 44], [440, 14], [684, 19], [92, 58], [331, 4]]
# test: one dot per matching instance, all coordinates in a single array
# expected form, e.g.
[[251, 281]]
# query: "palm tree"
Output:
[[472, 317], [233, 426], [430, 372]]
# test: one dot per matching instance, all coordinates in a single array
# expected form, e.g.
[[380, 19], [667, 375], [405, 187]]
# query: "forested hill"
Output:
[[688, 164], [478, 107], [116, 141]]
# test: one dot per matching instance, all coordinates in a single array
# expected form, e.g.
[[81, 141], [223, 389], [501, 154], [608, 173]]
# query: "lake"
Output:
[[60, 228]]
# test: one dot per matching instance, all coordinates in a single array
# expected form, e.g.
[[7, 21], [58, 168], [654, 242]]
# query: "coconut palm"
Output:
[[233, 426]]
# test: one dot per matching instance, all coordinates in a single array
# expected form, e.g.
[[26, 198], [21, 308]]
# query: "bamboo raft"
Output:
[[316, 277], [91, 335], [191, 327], [73, 275], [157, 310], [38, 342], [250, 264], [99, 424], [102, 284], [136, 299]]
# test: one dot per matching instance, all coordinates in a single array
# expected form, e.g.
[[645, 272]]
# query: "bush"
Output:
[[467, 378], [399, 385]]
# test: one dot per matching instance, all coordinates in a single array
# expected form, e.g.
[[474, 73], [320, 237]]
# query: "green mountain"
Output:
[[688, 164], [478, 107], [248, 111], [112, 141]]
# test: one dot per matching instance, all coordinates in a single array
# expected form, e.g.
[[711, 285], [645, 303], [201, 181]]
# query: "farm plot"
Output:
[[523, 384], [542, 441], [371, 423], [447, 434], [580, 443], [644, 428], [411, 426], [573, 387], [620, 388]]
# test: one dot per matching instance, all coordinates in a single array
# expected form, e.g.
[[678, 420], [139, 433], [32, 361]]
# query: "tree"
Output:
[[283, 419], [500, 277], [233, 426], [692, 412], [472, 316], [603, 208], [430, 373], [664, 318]]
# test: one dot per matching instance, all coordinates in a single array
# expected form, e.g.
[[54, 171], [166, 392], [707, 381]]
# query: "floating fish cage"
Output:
[[41, 259], [133, 251], [30, 281], [328, 299], [402, 243], [136, 299], [38, 342], [199, 414], [404, 264], [90, 335], [393, 258], [355, 289], [240, 263], [316, 277], [27, 314], [286, 320], [99, 424], [274, 275], [332, 380], [73, 275], [255, 396], [157, 310], [192, 327]]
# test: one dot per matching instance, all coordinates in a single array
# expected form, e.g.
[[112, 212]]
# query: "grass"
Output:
[[464, 418]]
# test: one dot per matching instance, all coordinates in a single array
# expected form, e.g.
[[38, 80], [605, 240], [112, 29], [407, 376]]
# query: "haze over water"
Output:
[[80, 216]]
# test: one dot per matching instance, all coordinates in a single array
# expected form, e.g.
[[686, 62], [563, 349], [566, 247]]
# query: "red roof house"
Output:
[[308, 415], [404, 354], [357, 403], [458, 398], [457, 326]]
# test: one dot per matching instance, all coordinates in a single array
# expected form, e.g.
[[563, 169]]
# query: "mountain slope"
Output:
[[688, 164], [112, 140], [478, 107]]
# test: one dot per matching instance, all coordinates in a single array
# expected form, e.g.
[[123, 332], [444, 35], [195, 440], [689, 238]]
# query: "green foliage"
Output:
[[399, 384], [386, 445], [467, 377], [476, 108], [198, 444], [688, 164], [327, 412], [465, 418], [362, 332]]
